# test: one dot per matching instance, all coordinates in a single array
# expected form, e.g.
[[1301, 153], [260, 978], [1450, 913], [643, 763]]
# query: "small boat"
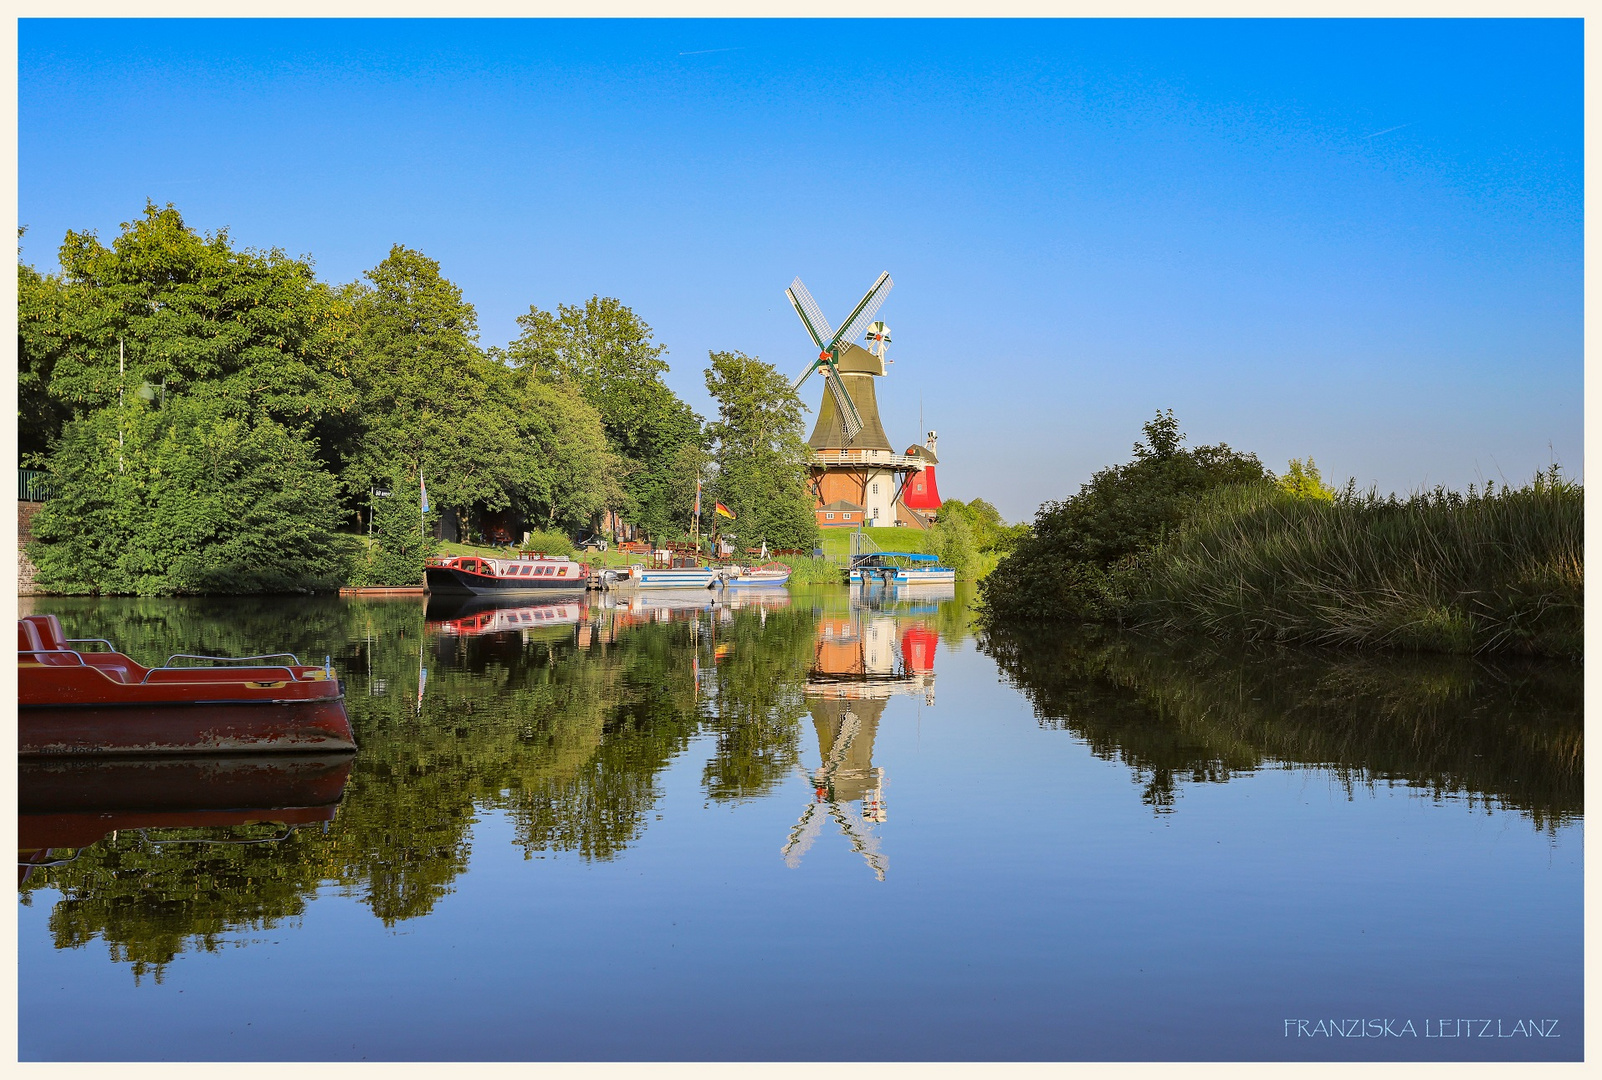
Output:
[[899, 568], [75, 700], [479, 575], [741, 577], [675, 577]]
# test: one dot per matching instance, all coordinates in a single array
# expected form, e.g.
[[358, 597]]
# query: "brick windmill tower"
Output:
[[857, 476]]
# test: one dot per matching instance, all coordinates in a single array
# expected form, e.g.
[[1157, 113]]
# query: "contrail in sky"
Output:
[[703, 52], [1377, 134]]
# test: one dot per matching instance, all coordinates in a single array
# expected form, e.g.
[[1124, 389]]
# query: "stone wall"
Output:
[[25, 572]]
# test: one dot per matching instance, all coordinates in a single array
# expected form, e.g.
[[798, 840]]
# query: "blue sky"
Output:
[[1355, 240]]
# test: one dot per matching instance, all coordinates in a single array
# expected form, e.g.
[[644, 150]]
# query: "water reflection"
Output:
[[564, 716], [1508, 733]]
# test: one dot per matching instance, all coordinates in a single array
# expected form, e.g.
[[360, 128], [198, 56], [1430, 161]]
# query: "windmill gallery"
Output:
[[856, 475]]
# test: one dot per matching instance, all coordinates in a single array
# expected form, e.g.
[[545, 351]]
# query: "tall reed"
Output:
[[1500, 569]]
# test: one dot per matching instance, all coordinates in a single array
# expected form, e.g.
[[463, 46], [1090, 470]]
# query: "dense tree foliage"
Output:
[[226, 356], [759, 453], [186, 498], [604, 351], [1069, 566]]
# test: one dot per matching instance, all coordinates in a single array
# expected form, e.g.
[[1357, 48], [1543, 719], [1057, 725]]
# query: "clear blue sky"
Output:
[[1358, 240]]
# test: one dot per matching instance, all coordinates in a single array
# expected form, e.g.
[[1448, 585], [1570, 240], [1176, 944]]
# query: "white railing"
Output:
[[869, 458]]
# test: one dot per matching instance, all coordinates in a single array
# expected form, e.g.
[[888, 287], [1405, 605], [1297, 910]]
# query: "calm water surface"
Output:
[[812, 825]]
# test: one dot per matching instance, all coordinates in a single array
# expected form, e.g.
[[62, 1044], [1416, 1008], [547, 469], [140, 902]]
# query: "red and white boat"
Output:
[[476, 575], [75, 700]]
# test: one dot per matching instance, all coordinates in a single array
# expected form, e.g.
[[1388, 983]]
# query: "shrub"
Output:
[[1493, 570], [550, 542], [1072, 565], [186, 499]]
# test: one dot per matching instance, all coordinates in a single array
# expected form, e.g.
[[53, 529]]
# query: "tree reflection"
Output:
[[1508, 734]]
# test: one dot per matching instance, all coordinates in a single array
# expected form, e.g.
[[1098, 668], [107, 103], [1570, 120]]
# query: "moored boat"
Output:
[[75, 700], [677, 577], [772, 574], [899, 568], [479, 575]]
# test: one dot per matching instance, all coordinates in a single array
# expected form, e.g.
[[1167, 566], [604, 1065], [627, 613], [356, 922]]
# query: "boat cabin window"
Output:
[[562, 572]]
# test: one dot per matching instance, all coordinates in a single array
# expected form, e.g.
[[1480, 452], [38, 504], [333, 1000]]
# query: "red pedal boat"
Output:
[[81, 701]]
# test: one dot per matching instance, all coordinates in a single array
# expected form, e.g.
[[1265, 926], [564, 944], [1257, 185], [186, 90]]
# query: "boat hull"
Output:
[[211, 727], [888, 576], [681, 578], [449, 581], [750, 581]]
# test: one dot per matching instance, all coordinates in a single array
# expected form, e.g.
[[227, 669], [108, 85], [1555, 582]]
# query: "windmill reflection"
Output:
[[860, 661]]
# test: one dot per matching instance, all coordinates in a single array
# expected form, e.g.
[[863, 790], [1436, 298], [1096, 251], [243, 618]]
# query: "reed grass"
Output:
[[805, 570], [1497, 570]]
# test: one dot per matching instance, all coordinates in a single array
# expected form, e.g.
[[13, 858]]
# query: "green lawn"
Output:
[[836, 543]]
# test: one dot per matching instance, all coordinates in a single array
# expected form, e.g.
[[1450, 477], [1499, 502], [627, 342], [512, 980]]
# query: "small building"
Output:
[[840, 512]]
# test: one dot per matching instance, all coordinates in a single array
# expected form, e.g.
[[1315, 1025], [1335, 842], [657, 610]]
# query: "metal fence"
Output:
[[31, 485]]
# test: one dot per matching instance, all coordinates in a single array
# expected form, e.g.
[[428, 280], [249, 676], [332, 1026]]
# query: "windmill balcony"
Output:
[[876, 458]]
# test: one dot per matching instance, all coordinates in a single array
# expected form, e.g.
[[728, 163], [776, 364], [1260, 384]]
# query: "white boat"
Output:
[[679, 577], [741, 577], [888, 574]]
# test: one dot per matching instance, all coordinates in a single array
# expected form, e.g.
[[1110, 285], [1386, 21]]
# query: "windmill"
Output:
[[838, 353]]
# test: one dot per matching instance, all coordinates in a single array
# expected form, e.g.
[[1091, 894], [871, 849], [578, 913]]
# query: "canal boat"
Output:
[[480, 575], [76, 700]]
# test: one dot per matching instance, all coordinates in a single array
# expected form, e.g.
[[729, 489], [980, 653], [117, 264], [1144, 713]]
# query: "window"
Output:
[[876, 489], [830, 516], [562, 572], [847, 515]]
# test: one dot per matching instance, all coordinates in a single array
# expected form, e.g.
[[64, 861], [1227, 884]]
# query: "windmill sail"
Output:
[[857, 322], [811, 314], [849, 416]]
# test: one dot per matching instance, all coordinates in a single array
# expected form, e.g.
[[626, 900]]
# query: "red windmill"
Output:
[[919, 494]]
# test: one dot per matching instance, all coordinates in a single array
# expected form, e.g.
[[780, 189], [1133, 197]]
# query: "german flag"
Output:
[[719, 508]]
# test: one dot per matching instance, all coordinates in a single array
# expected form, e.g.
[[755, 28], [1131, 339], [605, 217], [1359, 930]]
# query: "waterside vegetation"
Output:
[[1206, 540]]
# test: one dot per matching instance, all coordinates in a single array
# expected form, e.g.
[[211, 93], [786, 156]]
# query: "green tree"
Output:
[[605, 351], [429, 400], [41, 339], [952, 538], [253, 331], [186, 498], [566, 472], [1304, 482], [1070, 565], [403, 537], [759, 454]]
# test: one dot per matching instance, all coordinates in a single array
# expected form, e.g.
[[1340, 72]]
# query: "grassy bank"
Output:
[[1499, 570]]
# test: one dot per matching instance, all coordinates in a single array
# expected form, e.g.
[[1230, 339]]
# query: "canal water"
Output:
[[813, 825]]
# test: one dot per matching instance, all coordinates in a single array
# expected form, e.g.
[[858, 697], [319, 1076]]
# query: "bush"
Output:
[[1495, 570], [404, 540], [186, 499], [808, 571], [550, 542], [1073, 564]]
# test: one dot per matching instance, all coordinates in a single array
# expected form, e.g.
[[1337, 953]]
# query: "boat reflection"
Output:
[[73, 803]]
